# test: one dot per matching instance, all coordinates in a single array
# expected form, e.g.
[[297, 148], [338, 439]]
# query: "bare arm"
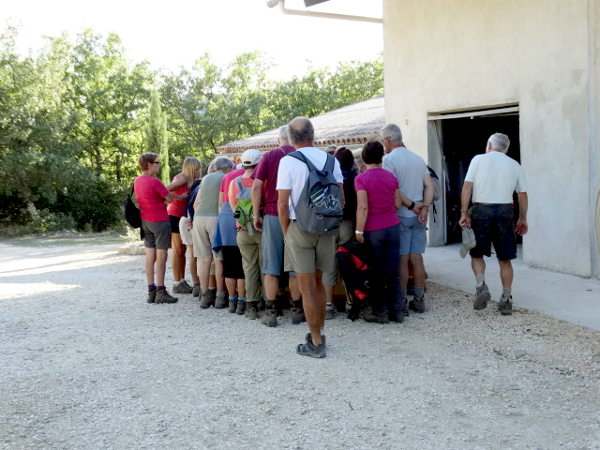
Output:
[[362, 211], [522, 226], [231, 195], [177, 182], [465, 198], [220, 201], [283, 200], [257, 187]]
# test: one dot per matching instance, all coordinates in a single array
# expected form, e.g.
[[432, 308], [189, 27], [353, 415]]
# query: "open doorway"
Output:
[[459, 138]]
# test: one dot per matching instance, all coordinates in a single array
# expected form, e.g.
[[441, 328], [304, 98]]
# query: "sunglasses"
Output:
[[155, 162]]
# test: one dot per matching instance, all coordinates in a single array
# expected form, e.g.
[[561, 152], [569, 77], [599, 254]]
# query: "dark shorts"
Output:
[[157, 234], [232, 262], [174, 224], [493, 224]]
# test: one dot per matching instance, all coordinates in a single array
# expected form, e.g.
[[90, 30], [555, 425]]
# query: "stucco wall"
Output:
[[447, 55]]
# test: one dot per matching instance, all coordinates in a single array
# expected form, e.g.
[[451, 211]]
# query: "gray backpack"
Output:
[[319, 209]]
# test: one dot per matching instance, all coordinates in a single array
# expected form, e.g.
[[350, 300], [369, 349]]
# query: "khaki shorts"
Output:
[[308, 252], [202, 234]]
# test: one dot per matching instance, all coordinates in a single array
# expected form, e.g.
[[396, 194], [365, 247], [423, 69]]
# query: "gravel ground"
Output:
[[86, 363]]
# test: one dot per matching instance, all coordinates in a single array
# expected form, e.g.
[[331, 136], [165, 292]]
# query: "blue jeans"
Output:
[[386, 244]]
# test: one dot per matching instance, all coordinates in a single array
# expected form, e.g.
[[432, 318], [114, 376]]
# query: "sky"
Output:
[[175, 33]]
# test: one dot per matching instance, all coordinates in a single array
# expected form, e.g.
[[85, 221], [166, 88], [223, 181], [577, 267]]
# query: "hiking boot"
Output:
[[482, 297], [196, 290], [308, 338], [221, 301], [309, 349], [182, 288], [329, 311], [206, 300], [297, 315], [403, 307], [417, 304], [213, 295], [396, 318], [162, 296], [505, 306], [368, 315], [232, 305], [269, 317], [240, 308], [151, 296], [251, 310]]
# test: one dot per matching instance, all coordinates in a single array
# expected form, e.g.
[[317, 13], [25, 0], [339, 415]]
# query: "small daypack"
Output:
[[133, 215], [437, 186], [243, 208], [319, 209]]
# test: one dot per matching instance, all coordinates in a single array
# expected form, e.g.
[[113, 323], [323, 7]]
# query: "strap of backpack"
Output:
[[240, 185], [300, 157]]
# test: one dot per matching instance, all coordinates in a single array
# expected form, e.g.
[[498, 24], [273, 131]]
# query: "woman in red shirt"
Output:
[[180, 185]]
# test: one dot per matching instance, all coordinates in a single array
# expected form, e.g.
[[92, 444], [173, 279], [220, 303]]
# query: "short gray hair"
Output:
[[284, 134], [222, 163], [301, 130], [499, 141], [393, 132]]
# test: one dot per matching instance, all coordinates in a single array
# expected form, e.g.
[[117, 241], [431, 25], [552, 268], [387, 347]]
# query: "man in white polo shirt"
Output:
[[491, 180], [307, 254]]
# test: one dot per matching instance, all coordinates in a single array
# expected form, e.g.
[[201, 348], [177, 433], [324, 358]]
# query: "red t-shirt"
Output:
[[266, 171], [381, 187], [150, 194], [177, 207], [226, 180]]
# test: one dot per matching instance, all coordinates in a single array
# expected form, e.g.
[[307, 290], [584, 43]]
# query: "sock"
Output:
[[328, 304], [506, 292], [212, 288], [297, 303], [402, 293], [419, 291], [479, 279], [151, 287], [232, 297], [196, 283], [241, 299], [160, 287]]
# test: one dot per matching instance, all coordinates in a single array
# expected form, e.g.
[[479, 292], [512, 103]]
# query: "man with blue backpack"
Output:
[[310, 206]]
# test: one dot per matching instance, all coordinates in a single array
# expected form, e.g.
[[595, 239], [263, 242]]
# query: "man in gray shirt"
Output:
[[415, 182]]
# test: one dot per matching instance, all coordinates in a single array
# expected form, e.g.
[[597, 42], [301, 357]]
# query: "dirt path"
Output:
[[85, 363]]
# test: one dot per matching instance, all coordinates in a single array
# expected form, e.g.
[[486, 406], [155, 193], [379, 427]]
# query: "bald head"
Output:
[[301, 132]]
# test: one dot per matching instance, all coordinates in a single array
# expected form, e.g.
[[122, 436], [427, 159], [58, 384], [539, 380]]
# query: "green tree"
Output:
[[156, 137]]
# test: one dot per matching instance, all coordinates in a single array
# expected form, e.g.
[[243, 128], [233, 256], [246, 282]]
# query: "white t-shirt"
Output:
[[495, 177], [410, 170], [292, 173]]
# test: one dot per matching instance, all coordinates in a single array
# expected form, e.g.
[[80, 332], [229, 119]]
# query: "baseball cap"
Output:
[[251, 157], [468, 241]]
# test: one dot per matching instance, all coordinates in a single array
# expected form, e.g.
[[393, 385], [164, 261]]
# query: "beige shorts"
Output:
[[307, 252], [185, 232], [202, 235]]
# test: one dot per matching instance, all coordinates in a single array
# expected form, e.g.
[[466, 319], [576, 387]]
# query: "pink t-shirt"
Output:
[[226, 180], [150, 194], [266, 171], [380, 186], [177, 207]]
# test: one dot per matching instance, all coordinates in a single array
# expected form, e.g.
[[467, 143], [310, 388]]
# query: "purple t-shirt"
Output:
[[380, 186], [266, 171]]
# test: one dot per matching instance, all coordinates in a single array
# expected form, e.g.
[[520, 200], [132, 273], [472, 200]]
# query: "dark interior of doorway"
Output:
[[462, 139]]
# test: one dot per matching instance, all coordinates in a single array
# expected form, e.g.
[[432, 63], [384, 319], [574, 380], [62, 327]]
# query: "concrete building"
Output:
[[458, 70]]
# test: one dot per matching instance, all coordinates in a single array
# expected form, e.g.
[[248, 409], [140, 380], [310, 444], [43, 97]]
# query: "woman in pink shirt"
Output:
[[378, 198], [152, 197]]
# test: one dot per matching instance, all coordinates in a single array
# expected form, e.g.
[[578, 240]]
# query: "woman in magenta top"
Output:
[[378, 198], [152, 197]]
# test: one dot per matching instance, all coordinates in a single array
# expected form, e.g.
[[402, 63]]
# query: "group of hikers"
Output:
[[270, 228]]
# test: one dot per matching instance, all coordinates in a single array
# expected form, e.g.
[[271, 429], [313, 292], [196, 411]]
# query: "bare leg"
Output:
[[241, 287], [314, 308], [149, 265], [193, 265], [161, 266], [204, 272], [177, 257], [506, 274], [219, 275], [294, 288], [418, 270], [231, 284], [328, 294], [271, 286], [478, 266]]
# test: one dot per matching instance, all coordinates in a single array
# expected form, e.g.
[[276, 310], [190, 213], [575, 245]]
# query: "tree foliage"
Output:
[[74, 118]]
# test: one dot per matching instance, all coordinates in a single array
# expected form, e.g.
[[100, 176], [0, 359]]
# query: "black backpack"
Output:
[[132, 211], [319, 209], [361, 273]]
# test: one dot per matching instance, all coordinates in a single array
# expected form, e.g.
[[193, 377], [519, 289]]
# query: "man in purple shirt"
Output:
[[264, 205]]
